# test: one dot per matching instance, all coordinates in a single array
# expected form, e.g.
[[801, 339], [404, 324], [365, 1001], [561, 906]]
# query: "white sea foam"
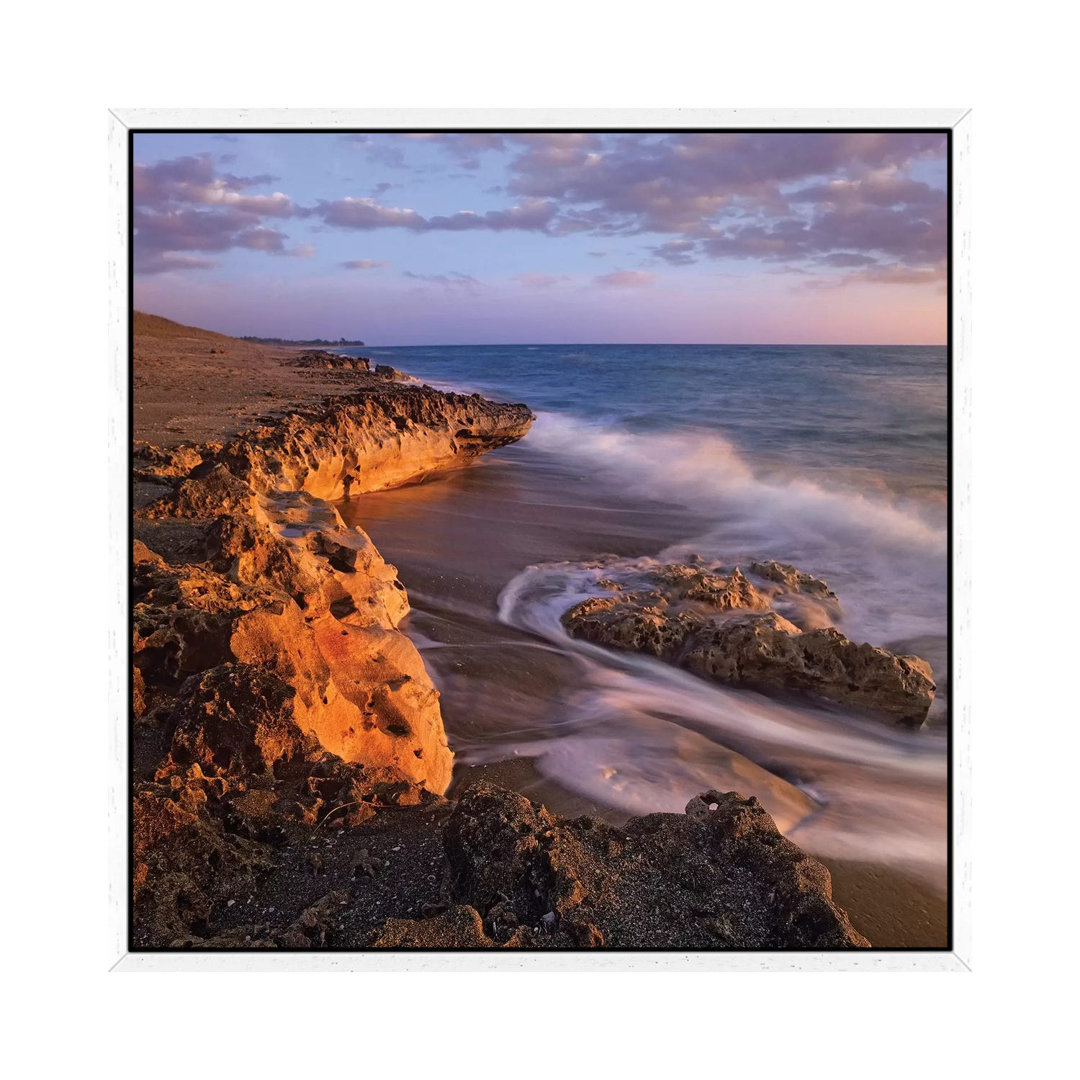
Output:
[[885, 556]]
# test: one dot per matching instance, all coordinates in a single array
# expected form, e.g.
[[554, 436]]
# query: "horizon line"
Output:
[[719, 344]]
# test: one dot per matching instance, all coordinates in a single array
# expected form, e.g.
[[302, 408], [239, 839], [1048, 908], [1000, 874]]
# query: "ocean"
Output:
[[833, 458]]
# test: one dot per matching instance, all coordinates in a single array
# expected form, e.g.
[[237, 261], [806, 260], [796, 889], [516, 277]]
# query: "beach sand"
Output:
[[192, 385]]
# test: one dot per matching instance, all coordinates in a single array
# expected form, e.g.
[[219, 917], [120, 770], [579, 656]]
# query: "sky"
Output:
[[566, 237]]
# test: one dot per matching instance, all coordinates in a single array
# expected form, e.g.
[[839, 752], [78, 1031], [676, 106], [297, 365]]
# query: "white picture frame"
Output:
[[122, 121]]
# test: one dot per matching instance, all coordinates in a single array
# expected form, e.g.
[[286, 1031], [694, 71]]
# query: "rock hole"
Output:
[[340, 608]]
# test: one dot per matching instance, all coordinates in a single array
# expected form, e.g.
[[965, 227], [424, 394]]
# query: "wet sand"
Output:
[[457, 540]]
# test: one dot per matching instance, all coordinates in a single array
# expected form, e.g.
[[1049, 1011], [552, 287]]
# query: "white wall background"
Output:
[[65, 66]]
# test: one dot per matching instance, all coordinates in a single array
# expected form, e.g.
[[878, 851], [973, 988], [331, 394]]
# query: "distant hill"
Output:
[[297, 341]]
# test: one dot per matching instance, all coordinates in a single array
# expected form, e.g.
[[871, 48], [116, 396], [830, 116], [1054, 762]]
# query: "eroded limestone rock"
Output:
[[382, 436], [360, 688], [792, 578], [765, 650], [719, 625]]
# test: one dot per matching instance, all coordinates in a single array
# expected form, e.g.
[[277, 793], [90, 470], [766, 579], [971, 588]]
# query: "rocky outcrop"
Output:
[[163, 463], [355, 683], [791, 578], [387, 371], [326, 361], [719, 876], [382, 437], [238, 795], [269, 672], [721, 626]]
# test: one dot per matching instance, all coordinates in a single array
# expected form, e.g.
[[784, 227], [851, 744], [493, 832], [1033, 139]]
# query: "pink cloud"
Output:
[[626, 279]]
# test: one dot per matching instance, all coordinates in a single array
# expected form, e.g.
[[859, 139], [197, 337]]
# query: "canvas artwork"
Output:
[[540, 539]]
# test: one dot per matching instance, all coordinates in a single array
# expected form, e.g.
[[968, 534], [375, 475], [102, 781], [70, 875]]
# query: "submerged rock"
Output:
[[719, 625]]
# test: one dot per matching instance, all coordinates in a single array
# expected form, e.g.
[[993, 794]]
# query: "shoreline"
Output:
[[273, 483]]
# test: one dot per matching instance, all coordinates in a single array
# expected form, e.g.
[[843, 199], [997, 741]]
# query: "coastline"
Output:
[[273, 480]]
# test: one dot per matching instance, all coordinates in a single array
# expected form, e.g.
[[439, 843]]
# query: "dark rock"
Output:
[[719, 876], [768, 651], [388, 372], [236, 719], [204, 495]]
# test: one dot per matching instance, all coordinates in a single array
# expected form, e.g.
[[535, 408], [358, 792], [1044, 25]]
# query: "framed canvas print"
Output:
[[540, 533]]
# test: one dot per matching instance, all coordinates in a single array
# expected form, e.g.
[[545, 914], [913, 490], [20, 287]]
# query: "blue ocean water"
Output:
[[875, 409]]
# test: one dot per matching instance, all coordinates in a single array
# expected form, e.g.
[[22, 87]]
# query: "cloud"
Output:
[[531, 215], [363, 264], [183, 205], [771, 195], [165, 261], [911, 235], [542, 281], [814, 200], [464, 147], [193, 180], [743, 195], [626, 279], [378, 151], [391, 149], [847, 258], [677, 252], [452, 281], [893, 274], [362, 213]]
